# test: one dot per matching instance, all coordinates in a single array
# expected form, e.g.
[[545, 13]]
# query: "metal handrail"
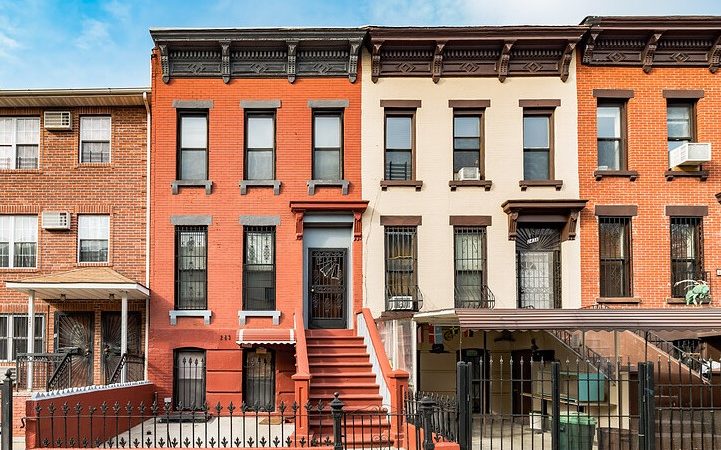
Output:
[[587, 354], [63, 367], [678, 354], [115, 377]]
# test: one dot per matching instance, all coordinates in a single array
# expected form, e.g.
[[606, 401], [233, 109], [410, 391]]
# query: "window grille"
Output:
[[401, 254], [189, 379], [191, 277], [471, 290], [686, 253], [614, 236], [259, 269], [259, 379]]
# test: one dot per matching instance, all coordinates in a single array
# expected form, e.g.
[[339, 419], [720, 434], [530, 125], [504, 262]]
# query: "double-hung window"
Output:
[[193, 148], [259, 269], [401, 258], [19, 142], [614, 238], [537, 144], [467, 146], [18, 241], [686, 253], [399, 145], [470, 267], [95, 139], [610, 124], [93, 238], [680, 123], [191, 259], [327, 145], [14, 335], [260, 146]]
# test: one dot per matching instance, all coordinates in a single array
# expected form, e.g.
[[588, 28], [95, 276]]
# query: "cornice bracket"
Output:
[[376, 61], [292, 49], [650, 50], [714, 55], [565, 63], [353, 60], [503, 61], [437, 67], [164, 62], [225, 60], [590, 45]]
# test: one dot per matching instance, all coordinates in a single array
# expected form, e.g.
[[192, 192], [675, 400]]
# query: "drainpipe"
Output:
[[147, 224]]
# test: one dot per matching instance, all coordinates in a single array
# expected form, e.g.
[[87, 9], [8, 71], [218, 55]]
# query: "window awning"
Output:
[[87, 283], [257, 336], [670, 319]]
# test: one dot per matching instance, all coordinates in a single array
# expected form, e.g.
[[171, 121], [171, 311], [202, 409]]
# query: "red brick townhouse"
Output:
[[73, 217], [256, 221], [648, 101]]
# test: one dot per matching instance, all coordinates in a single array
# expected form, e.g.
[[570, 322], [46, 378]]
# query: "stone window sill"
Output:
[[29, 171], [682, 301], [630, 174], [702, 175], [525, 184], [485, 184], [245, 184], [94, 264], [618, 300], [204, 313], [417, 184], [313, 184], [177, 184], [244, 315], [19, 269]]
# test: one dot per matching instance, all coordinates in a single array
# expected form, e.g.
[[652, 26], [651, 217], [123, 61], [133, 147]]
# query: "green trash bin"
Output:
[[577, 431]]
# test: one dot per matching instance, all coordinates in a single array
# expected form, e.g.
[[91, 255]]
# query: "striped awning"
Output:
[[256, 336], [670, 319]]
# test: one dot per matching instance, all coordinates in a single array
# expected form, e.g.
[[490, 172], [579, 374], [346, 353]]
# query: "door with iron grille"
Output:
[[327, 287], [75, 333], [538, 271], [110, 330]]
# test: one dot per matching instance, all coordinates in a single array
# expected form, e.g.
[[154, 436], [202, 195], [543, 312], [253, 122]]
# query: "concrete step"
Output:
[[338, 357]]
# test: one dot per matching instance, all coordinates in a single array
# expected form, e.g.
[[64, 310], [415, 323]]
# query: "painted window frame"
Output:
[[690, 104], [625, 290], [12, 242], [179, 302], [261, 113], [550, 114], [622, 139], [400, 112], [480, 114], [81, 217], [248, 230], [698, 259], [481, 261], [391, 288]]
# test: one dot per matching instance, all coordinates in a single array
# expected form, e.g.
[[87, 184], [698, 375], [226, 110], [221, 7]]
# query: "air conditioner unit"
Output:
[[690, 154], [469, 173], [400, 303], [56, 220], [58, 120]]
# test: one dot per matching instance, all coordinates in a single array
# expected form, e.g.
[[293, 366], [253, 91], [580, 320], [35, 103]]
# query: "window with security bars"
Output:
[[260, 145], [189, 379], [399, 145], [686, 253], [93, 238], [193, 146], [259, 269], [18, 241], [401, 259], [95, 139], [19, 142], [14, 335], [614, 237], [680, 123], [470, 267], [259, 379], [191, 278], [327, 145]]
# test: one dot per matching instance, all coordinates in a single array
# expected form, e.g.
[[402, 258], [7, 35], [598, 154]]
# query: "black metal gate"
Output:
[[111, 336], [74, 333], [327, 287], [538, 267]]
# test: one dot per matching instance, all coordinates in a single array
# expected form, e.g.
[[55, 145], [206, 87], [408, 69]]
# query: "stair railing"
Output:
[[585, 353], [678, 354], [61, 377]]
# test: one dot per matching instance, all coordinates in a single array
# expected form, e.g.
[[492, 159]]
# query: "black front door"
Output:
[[538, 260], [75, 333], [327, 287], [111, 333]]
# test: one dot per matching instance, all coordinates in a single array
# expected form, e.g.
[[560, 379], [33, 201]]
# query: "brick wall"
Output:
[[226, 205], [648, 154]]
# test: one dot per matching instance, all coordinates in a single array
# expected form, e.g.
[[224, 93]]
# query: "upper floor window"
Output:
[[401, 255], [19, 142], [327, 145], [191, 259], [680, 123], [260, 146], [259, 269], [95, 139], [93, 238], [399, 145], [193, 151], [686, 253], [614, 238], [467, 146], [537, 144], [18, 241], [610, 124], [14, 335], [470, 267]]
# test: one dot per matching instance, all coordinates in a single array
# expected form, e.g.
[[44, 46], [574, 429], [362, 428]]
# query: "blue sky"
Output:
[[70, 43]]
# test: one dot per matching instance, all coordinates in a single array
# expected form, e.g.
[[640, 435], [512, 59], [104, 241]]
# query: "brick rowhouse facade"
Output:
[[227, 208], [647, 184]]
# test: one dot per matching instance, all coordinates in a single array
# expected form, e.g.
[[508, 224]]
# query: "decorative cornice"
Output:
[[437, 69], [164, 65], [649, 51], [292, 46], [225, 64], [714, 55], [504, 60], [564, 66]]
